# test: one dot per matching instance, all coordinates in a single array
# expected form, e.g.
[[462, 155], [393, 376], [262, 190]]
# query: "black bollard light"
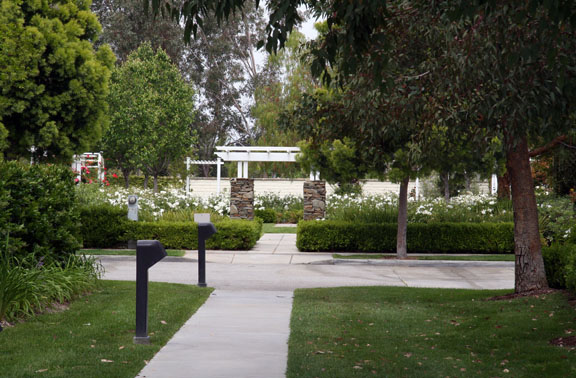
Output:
[[205, 230], [148, 253]]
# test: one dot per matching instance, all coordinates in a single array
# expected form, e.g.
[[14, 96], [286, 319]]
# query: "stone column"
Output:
[[242, 198], [314, 200]]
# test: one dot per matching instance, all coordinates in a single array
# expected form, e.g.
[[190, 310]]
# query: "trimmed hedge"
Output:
[[107, 226], [233, 234], [103, 226], [421, 237], [173, 235]]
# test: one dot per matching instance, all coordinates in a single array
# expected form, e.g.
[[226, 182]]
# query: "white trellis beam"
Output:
[[244, 155], [261, 154], [218, 162]]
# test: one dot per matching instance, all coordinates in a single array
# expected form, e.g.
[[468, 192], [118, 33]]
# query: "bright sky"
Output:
[[308, 30]]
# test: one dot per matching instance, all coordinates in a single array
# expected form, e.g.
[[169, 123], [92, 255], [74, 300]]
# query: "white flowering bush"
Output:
[[463, 208], [278, 203], [384, 209], [365, 209], [170, 203], [272, 207], [557, 217]]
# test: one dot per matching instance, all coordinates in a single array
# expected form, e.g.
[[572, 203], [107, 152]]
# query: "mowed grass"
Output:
[[94, 336], [270, 228], [126, 252], [408, 332], [431, 257]]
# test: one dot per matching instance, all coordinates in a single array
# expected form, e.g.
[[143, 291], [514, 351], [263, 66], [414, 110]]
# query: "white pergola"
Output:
[[244, 155]]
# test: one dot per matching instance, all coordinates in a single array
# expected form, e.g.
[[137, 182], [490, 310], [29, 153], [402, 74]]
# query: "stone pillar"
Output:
[[241, 198], [314, 200]]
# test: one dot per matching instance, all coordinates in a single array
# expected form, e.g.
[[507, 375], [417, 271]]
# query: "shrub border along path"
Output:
[[336, 236]]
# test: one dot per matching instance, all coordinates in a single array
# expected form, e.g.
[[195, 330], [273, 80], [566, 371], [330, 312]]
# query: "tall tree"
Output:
[[289, 76], [514, 73], [151, 109], [54, 84], [125, 26], [517, 67], [396, 125], [222, 63]]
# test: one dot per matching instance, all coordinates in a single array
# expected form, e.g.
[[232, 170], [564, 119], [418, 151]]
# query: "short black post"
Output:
[[148, 253], [205, 230]]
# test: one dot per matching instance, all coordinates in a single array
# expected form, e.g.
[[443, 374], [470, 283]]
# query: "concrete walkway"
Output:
[[242, 330], [234, 334]]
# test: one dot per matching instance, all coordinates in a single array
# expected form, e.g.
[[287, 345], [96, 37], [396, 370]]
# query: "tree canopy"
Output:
[[151, 112], [54, 84], [125, 26]]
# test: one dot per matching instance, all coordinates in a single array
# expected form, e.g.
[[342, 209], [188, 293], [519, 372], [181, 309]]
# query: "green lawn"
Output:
[[127, 252], [408, 332], [93, 338], [270, 228], [431, 257]]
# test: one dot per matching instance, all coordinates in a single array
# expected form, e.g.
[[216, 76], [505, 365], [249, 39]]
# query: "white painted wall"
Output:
[[205, 187]]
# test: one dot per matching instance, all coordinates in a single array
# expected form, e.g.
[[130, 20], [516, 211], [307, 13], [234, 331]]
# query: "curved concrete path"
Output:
[[242, 330]]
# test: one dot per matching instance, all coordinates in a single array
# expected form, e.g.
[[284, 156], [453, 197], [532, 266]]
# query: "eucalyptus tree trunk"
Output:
[[503, 186], [401, 250], [446, 181], [529, 268]]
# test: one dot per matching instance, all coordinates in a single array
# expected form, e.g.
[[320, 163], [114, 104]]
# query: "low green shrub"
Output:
[[570, 276], [556, 261], [37, 207], [275, 216], [277, 202], [421, 238], [103, 226], [28, 286], [235, 234], [267, 215], [232, 234], [291, 216], [173, 235]]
